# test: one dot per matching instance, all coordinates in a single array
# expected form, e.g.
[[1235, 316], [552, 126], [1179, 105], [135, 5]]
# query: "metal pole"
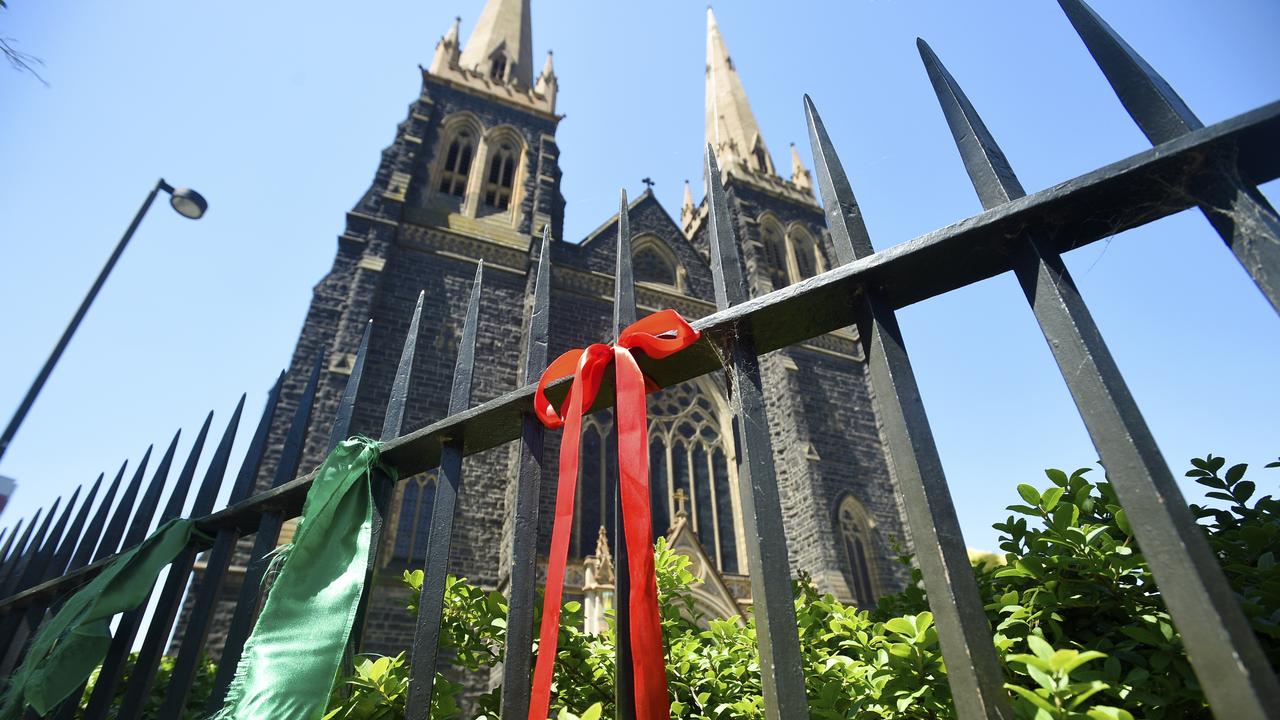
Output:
[[30, 398]]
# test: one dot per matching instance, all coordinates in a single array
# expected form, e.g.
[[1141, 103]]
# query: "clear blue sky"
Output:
[[277, 112]]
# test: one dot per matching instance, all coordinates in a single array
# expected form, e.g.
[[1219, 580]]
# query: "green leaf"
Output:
[[1031, 697], [901, 626], [1235, 472], [1243, 490], [1106, 712], [1050, 498], [1042, 649], [1122, 521], [1030, 494]]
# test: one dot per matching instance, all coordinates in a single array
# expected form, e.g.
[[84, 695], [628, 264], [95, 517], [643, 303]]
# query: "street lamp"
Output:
[[188, 203]]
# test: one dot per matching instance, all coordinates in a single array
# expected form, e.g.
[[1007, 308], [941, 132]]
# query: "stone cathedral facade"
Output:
[[473, 173]]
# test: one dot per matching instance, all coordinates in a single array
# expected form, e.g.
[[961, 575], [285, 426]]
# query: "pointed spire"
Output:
[[731, 126], [448, 49], [451, 37], [687, 209], [501, 45], [799, 173], [547, 83]]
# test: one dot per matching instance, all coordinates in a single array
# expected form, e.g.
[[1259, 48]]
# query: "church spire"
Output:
[[687, 208], [731, 126], [799, 173], [447, 49], [501, 45]]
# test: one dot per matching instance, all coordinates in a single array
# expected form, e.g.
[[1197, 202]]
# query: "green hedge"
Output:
[[1078, 622]]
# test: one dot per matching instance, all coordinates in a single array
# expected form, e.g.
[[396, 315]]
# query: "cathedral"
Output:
[[473, 173]]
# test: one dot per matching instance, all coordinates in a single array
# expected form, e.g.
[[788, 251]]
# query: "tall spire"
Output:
[[447, 49], [501, 45], [799, 173], [687, 208], [731, 126]]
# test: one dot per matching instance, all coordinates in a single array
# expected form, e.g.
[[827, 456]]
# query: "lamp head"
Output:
[[188, 203]]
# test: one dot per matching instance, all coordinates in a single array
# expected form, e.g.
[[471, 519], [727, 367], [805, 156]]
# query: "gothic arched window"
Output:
[[853, 527], [457, 164], [689, 453], [414, 524], [775, 253], [808, 261], [651, 264], [500, 179], [498, 68]]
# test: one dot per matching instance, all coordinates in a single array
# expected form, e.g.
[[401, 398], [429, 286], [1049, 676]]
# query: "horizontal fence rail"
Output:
[[1214, 168]]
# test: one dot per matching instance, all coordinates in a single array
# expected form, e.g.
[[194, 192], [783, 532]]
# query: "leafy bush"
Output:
[[200, 688], [1078, 623]]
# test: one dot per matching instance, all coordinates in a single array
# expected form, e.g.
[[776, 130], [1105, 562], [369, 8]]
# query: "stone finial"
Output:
[[731, 126], [687, 208], [799, 173], [547, 84], [447, 50], [681, 498]]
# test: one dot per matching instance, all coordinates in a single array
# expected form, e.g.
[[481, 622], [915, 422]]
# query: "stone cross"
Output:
[[648, 183], [681, 498]]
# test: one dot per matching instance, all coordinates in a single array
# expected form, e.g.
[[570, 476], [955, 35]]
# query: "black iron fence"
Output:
[[1215, 168]]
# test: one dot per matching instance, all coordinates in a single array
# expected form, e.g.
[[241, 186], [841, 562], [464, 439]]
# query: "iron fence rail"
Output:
[[1215, 168]]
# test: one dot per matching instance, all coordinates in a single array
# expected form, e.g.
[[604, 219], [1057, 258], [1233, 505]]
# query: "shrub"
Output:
[[1078, 623]]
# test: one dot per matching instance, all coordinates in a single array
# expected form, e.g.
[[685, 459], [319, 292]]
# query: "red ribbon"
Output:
[[658, 336]]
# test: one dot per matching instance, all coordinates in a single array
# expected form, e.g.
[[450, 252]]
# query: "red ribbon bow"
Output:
[[658, 336]]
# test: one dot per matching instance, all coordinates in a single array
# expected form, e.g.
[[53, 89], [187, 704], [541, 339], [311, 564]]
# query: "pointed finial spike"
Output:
[[849, 235], [992, 176]]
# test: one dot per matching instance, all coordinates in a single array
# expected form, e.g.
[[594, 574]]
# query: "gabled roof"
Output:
[[712, 593]]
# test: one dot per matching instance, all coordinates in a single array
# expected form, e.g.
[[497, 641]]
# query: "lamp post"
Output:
[[188, 203]]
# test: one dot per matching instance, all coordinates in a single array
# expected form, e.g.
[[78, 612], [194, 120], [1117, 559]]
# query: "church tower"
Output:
[[839, 504], [471, 174]]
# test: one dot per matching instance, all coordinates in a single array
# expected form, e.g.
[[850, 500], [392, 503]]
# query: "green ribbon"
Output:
[[75, 640], [291, 660]]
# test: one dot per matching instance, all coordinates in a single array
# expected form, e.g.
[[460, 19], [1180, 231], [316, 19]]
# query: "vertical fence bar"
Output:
[[22, 575], [93, 533], [75, 534], [114, 531], [144, 668], [781, 673], [113, 665], [518, 657], [426, 638], [342, 430], [392, 426], [1247, 223], [187, 663], [107, 546], [17, 627], [264, 542], [347, 405], [973, 670], [5, 558], [1234, 672], [624, 313]]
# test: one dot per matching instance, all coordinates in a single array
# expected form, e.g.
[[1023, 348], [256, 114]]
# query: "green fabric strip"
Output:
[[292, 657], [73, 642]]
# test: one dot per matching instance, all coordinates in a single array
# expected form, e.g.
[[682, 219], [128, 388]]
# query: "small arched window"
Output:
[[457, 164], [808, 261], [414, 524], [853, 528], [761, 163], [775, 254], [498, 68], [651, 265], [501, 177]]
